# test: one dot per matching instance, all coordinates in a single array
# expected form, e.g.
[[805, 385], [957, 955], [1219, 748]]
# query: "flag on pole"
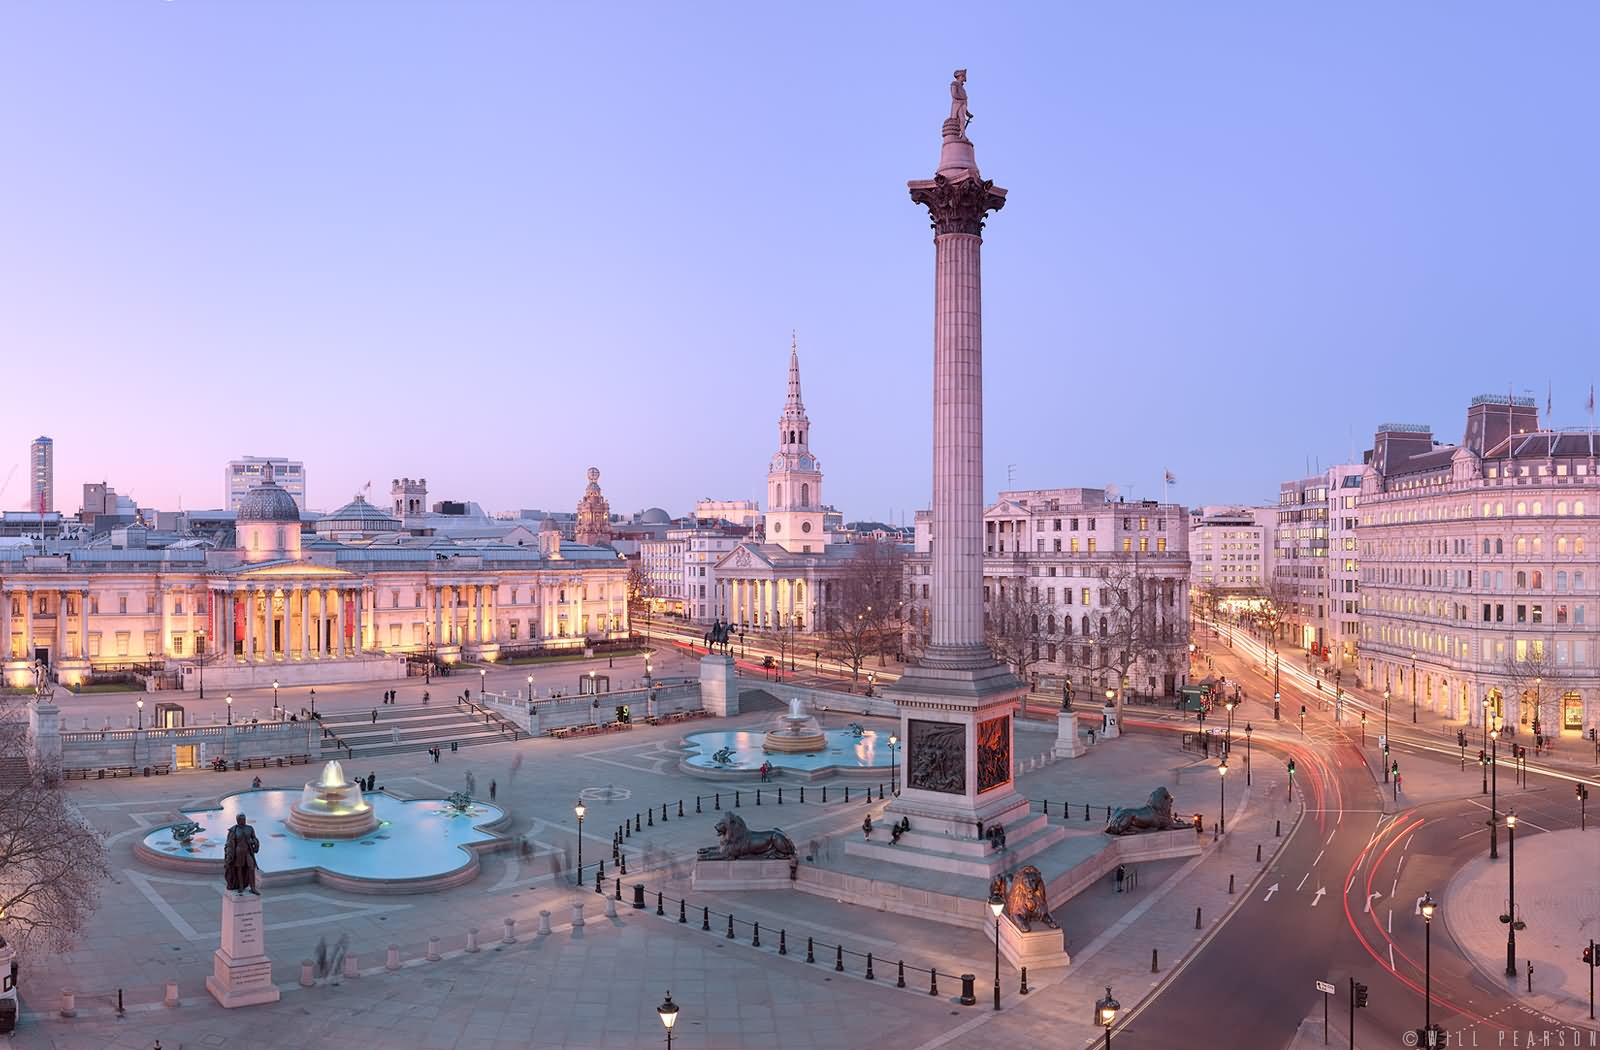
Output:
[[1591, 399], [1549, 398], [1171, 479]]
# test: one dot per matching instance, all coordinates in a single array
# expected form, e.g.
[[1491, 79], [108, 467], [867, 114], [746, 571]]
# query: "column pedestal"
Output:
[[1067, 743], [719, 688], [241, 972]]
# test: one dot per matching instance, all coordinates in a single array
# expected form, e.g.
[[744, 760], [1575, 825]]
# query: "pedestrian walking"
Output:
[[425, 698], [322, 957], [491, 790], [374, 716]]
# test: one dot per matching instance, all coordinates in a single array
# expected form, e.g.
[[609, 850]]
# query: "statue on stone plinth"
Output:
[[1026, 901], [959, 113], [239, 857]]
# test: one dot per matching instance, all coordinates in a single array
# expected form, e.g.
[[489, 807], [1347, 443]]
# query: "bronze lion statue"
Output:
[[1155, 815], [1025, 899], [740, 843]]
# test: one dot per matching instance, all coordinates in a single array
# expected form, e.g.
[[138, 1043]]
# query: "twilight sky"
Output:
[[494, 243]]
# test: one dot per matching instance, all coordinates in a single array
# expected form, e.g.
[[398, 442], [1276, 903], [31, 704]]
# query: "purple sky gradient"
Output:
[[495, 243]]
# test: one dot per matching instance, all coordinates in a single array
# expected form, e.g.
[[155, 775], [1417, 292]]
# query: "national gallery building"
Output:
[[351, 601]]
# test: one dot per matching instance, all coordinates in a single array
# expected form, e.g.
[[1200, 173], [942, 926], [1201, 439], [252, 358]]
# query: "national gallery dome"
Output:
[[267, 502]]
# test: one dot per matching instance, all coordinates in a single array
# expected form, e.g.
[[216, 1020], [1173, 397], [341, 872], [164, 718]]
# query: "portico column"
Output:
[[165, 597], [302, 599], [5, 623], [250, 624], [338, 622], [61, 626], [27, 625], [475, 615]]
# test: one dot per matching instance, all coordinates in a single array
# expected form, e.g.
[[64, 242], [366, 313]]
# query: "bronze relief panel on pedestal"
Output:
[[994, 753], [936, 756]]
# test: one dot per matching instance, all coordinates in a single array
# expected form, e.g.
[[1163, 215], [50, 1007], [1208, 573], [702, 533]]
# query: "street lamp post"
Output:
[[1363, 729], [1230, 705], [580, 811], [483, 681], [894, 764], [1511, 895], [1413, 688], [1494, 792], [274, 697], [997, 905], [313, 703], [140, 705], [1427, 906], [1106, 1011], [668, 1012], [1222, 791], [1247, 730], [1386, 714], [530, 689], [229, 700]]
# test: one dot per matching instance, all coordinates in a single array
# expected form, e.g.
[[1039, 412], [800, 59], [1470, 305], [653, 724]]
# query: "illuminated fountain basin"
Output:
[[414, 845], [800, 733], [843, 753]]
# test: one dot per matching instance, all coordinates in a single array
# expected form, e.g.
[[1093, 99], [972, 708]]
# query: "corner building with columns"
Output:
[[1480, 570], [297, 608]]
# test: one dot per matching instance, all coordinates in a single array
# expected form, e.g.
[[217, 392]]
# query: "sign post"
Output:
[[1327, 991]]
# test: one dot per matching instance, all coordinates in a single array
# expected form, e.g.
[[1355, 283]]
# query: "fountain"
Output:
[[800, 735], [331, 808]]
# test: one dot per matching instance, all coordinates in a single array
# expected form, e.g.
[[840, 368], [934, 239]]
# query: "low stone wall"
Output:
[[581, 710], [155, 747], [223, 675], [823, 700]]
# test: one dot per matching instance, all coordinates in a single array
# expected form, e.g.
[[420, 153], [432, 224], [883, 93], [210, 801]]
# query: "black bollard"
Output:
[[1155, 965], [627, 830], [1197, 918], [680, 806], [736, 800], [697, 803], [598, 887], [968, 996], [659, 909], [755, 936], [880, 792], [664, 813], [600, 870], [705, 919], [622, 865], [717, 800], [730, 926], [638, 896], [810, 955], [1086, 811], [847, 792], [824, 792], [636, 826], [933, 982], [1230, 885], [1258, 853], [802, 793], [1278, 830], [1108, 814], [683, 911], [783, 944], [900, 980], [869, 967], [780, 796], [619, 889], [1045, 805], [650, 819], [838, 960], [758, 796], [1024, 989]]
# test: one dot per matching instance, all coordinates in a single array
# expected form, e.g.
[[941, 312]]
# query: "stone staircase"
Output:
[[14, 772], [400, 730]]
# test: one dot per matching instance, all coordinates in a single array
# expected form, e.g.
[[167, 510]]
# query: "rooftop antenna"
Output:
[[1011, 473]]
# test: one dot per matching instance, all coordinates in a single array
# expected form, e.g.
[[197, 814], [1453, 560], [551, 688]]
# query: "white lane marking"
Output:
[[1391, 920], [1319, 858], [1391, 956], [1374, 895], [1303, 879], [1318, 898], [1331, 834], [1270, 891]]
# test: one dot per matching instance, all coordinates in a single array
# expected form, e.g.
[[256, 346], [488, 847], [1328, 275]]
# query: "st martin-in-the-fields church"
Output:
[[787, 580]]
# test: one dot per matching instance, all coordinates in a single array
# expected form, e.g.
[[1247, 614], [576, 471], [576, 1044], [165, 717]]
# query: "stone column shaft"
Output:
[[250, 624], [5, 624]]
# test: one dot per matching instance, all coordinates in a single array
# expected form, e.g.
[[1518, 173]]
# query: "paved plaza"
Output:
[[597, 985]]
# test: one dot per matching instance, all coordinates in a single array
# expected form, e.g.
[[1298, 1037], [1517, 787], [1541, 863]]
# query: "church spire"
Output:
[[794, 405]]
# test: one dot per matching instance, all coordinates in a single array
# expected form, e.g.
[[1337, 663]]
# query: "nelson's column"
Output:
[[957, 703]]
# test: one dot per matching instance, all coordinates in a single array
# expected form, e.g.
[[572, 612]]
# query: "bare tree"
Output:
[[1540, 682], [1128, 626], [1018, 625], [863, 607], [51, 860]]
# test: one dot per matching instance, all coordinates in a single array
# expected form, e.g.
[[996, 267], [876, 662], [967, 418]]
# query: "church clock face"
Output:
[[777, 527], [777, 461], [805, 526]]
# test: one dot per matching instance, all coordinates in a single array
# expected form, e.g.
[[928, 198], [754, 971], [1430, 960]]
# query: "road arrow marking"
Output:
[[1375, 894], [1320, 891], [1270, 891]]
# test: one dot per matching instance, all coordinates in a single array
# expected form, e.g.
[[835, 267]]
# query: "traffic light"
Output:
[[1588, 956], [1461, 738], [1396, 769], [1291, 767], [1582, 791], [1483, 759], [1302, 710], [1360, 993]]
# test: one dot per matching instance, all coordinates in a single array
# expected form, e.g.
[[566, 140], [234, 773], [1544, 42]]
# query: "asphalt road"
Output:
[[1340, 902]]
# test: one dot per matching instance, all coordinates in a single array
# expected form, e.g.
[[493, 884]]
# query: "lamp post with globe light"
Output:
[[580, 810], [1494, 792], [997, 905], [1511, 896], [229, 701], [1427, 906], [668, 1012], [140, 705], [274, 698], [1106, 1013], [1222, 791], [894, 764]]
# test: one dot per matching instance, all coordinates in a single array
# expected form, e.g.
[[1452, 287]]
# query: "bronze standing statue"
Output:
[[239, 857]]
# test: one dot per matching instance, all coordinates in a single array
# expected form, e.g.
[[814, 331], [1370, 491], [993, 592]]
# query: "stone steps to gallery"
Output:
[[14, 772], [419, 728]]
